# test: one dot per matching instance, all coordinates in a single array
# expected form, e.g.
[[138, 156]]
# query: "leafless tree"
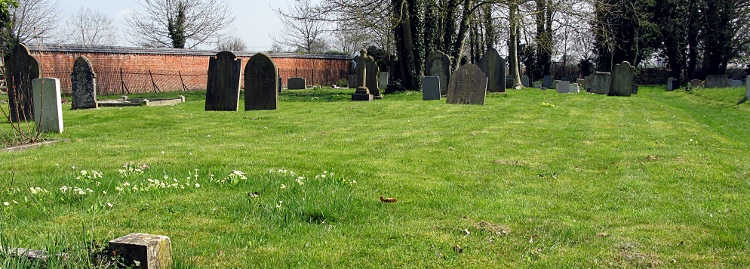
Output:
[[178, 23], [231, 43], [302, 31], [90, 27], [34, 20]]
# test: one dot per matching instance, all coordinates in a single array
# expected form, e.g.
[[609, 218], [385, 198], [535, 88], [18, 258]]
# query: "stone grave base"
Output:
[[141, 102]]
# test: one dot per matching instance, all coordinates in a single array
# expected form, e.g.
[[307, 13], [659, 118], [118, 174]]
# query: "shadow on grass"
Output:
[[323, 95]]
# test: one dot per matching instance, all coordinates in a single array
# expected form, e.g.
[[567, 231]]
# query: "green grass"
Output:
[[532, 179]]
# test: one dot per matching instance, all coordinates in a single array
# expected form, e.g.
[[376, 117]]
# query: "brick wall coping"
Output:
[[70, 48]]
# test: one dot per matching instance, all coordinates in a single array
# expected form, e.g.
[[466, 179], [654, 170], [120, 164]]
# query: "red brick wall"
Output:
[[169, 72]]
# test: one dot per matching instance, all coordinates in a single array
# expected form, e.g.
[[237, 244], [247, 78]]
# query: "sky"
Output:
[[255, 20]]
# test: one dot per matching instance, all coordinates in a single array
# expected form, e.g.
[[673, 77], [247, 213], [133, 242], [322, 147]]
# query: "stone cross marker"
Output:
[[20, 69], [83, 82], [430, 88], [468, 85], [371, 77], [363, 92], [439, 65], [47, 105], [623, 76], [261, 83], [493, 67], [223, 88]]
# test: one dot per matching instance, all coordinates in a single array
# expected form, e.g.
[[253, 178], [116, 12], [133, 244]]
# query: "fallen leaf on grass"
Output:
[[387, 200], [458, 249]]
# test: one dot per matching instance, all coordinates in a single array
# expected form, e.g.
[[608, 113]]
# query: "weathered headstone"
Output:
[[601, 82], [383, 79], [371, 77], [716, 81], [145, 251], [493, 67], [430, 88], [554, 83], [547, 83], [83, 82], [747, 90], [296, 84], [47, 105], [525, 81], [574, 88], [279, 83], [736, 83], [362, 93], [670, 84], [509, 82], [537, 85], [260, 83], [563, 86], [696, 83], [439, 65], [352, 82], [468, 85], [623, 76], [223, 87], [20, 69]]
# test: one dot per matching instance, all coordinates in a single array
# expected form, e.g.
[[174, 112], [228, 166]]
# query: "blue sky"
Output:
[[255, 20]]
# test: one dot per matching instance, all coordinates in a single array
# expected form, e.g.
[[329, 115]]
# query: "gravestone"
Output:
[[143, 250], [223, 87], [509, 83], [635, 89], [20, 69], [260, 83], [563, 86], [439, 65], [747, 88], [83, 82], [554, 83], [671, 84], [696, 83], [493, 67], [279, 84], [525, 81], [430, 88], [601, 82], [352, 82], [468, 85], [371, 78], [47, 105], [537, 85], [362, 93], [547, 83], [716, 81], [383, 79], [574, 88], [295, 84], [736, 83], [623, 76]]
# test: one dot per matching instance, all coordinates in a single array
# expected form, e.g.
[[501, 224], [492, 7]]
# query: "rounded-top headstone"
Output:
[[20, 70], [261, 88], [439, 65], [83, 82], [494, 67]]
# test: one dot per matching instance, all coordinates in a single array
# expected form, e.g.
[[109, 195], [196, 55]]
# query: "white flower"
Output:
[[283, 186], [109, 204], [7, 204], [84, 172], [197, 185]]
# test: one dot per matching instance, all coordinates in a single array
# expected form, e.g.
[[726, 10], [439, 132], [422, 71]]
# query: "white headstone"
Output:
[[563, 86], [383, 79], [47, 105], [574, 88]]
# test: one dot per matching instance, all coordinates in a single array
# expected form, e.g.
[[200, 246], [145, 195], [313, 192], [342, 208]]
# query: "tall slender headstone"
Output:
[[439, 65], [493, 67], [430, 88], [47, 105], [83, 82], [362, 93], [223, 87], [20, 69], [383, 78], [260, 83], [747, 90], [468, 86], [623, 76]]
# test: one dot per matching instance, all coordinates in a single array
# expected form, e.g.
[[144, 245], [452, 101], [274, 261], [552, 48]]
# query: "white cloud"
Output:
[[124, 13]]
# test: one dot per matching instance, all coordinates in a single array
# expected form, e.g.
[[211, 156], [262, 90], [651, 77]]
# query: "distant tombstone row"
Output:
[[439, 65], [223, 86], [468, 85], [493, 66], [20, 69]]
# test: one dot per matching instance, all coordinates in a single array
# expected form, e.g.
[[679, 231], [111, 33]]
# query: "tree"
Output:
[[302, 31], [32, 21], [90, 28], [232, 43], [178, 23]]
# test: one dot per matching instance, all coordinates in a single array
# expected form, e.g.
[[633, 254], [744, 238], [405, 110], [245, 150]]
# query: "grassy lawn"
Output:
[[531, 179]]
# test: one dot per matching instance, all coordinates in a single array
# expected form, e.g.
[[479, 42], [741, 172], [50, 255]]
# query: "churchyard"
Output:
[[529, 179]]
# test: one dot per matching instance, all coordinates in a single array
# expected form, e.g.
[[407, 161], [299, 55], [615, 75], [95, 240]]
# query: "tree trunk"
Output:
[[514, 20]]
